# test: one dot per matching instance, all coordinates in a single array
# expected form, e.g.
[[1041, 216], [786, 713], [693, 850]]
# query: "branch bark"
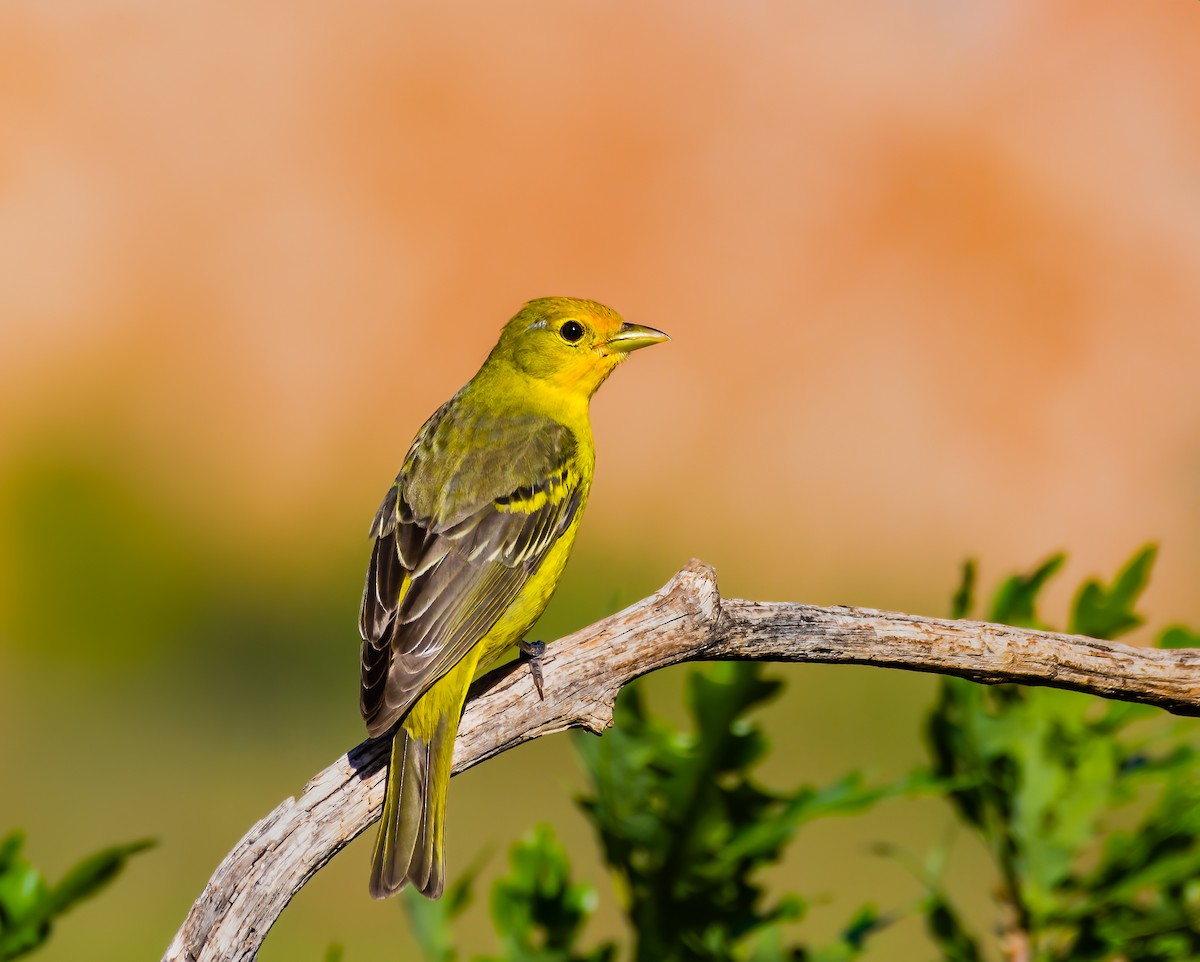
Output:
[[686, 620]]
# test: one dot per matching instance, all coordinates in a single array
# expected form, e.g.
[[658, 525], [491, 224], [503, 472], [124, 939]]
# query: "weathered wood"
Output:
[[686, 620]]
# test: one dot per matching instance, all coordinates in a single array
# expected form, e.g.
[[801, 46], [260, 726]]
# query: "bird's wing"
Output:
[[448, 561]]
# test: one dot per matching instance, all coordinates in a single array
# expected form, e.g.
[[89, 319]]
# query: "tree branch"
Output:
[[686, 620]]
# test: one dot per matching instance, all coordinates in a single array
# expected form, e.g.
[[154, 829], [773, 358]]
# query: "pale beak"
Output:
[[630, 337]]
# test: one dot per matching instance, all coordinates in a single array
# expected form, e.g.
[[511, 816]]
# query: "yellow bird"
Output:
[[470, 542]]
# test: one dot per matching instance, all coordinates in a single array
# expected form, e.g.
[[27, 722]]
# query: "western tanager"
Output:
[[470, 542]]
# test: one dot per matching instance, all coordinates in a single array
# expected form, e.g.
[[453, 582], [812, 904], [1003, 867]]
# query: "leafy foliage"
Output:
[[685, 829], [538, 911], [1046, 778], [29, 906], [1090, 811], [1016, 597], [1101, 612], [1177, 636]]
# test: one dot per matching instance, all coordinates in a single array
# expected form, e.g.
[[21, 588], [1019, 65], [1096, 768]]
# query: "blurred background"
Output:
[[932, 271]]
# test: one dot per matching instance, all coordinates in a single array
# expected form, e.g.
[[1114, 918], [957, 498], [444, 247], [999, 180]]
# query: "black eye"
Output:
[[571, 332]]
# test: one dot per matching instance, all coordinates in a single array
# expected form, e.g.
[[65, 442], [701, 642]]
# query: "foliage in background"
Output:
[[1090, 808], [538, 911], [29, 906], [686, 829]]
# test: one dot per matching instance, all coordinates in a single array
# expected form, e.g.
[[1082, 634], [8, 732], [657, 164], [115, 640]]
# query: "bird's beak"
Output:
[[630, 337]]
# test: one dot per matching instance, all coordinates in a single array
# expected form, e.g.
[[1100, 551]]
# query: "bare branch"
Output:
[[686, 620]]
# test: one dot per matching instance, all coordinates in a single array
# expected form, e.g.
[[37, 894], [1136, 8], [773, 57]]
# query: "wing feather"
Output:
[[445, 566]]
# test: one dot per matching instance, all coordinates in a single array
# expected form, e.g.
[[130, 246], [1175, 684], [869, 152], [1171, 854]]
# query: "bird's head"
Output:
[[570, 344]]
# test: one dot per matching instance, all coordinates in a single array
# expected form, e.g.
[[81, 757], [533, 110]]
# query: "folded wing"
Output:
[[456, 539]]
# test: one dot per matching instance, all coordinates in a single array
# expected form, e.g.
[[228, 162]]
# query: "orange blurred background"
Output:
[[932, 272]]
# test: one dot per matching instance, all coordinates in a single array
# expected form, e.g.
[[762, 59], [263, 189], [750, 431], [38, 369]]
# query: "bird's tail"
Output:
[[409, 848]]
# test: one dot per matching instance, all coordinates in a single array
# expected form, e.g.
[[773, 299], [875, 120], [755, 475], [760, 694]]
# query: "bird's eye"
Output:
[[571, 332]]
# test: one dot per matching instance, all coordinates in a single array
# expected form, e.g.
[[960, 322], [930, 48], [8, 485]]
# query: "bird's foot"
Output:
[[533, 650]]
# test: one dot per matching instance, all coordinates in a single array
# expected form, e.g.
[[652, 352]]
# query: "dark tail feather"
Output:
[[409, 846]]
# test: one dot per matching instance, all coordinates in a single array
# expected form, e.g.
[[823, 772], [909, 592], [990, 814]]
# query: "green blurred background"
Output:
[[932, 278]]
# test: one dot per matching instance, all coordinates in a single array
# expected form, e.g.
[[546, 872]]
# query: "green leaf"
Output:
[[687, 829], [24, 915], [1015, 600], [538, 911], [866, 921], [1106, 612], [946, 929], [10, 848], [23, 891], [964, 596], [28, 905], [92, 874], [1179, 636], [1043, 776]]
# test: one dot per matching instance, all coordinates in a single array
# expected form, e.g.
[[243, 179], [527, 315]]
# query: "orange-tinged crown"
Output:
[[569, 343]]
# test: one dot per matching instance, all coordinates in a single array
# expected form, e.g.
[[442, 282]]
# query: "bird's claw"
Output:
[[533, 650]]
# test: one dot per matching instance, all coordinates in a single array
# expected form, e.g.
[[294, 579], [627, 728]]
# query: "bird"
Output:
[[469, 545]]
